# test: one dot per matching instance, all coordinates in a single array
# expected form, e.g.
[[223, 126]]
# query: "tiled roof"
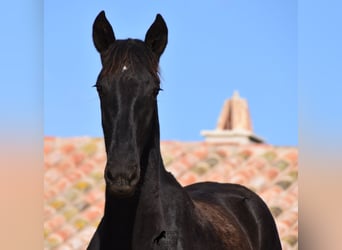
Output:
[[74, 185]]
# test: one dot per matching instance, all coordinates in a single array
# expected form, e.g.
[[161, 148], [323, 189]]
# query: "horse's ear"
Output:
[[103, 34], [156, 36]]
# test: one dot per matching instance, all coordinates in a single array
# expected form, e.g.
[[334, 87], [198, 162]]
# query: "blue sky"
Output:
[[214, 48]]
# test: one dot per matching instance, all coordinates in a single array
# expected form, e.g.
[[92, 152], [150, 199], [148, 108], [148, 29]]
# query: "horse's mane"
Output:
[[131, 53]]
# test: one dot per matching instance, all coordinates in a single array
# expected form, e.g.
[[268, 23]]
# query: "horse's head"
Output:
[[127, 85]]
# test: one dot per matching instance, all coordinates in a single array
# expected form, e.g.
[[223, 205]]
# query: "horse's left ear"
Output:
[[156, 36]]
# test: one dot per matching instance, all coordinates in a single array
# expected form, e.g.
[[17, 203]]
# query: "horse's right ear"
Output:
[[103, 34]]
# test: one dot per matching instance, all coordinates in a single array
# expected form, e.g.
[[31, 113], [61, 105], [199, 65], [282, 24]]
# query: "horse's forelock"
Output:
[[129, 54]]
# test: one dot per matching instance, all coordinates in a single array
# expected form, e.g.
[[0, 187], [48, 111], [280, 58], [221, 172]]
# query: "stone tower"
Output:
[[234, 124]]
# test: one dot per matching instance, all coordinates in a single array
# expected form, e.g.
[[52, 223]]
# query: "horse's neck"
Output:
[[153, 169], [153, 217]]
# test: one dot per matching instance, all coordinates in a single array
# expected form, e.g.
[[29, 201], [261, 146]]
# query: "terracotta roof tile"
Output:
[[74, 185]]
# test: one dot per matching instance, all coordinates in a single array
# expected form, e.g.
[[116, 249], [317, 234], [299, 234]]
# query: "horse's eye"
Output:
[[156, 91], [98, 88]]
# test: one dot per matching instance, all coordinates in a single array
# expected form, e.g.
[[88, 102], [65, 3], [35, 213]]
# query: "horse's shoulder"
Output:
[[213, 214], [242, 206]]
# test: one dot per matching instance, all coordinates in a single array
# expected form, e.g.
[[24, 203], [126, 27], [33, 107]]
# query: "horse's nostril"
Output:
[[129, 178], [133, 176], [109, 176]]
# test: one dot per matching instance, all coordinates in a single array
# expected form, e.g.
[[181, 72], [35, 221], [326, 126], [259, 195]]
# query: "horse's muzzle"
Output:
[[122, 185]]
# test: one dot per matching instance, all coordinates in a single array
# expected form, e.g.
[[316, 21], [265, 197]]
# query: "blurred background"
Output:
[[26, 86]]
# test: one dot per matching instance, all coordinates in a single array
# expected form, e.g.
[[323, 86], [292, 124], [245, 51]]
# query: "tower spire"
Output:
[[234, 123]]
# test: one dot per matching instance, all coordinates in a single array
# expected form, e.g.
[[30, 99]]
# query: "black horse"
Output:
[[146, 208]]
